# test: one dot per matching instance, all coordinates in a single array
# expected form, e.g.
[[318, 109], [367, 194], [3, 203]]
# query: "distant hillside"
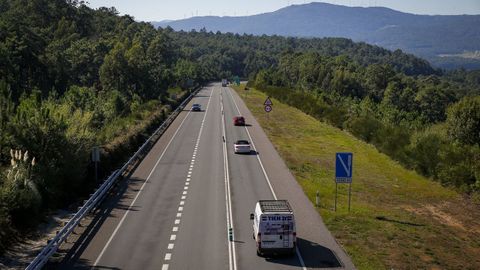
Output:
[[426, 36]]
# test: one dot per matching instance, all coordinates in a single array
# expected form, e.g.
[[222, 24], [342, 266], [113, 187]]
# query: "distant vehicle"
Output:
[[196, 107], [239, 121], [241, 147], [224, 82], [274, 227]]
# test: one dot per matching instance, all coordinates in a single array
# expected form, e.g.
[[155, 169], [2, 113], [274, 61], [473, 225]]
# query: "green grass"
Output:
[[398, 219]]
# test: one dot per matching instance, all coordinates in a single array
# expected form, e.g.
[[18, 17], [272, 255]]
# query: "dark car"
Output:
[[239, 121], [196, 107]]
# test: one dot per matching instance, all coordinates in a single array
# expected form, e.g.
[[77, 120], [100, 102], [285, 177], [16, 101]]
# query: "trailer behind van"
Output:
[[274, 227]]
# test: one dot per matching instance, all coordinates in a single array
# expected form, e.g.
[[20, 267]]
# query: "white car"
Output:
[[242, 147]]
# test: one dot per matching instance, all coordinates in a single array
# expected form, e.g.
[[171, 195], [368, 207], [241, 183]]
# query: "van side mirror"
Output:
[[251, 216]]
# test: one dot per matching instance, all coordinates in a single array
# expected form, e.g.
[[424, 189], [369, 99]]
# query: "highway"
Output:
[[175, 210]]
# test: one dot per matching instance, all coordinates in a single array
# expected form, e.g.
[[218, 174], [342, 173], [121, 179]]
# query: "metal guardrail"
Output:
[[53, 244]]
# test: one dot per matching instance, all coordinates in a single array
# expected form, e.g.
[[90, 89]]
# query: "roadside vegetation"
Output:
[[399, 219], [426, 123]]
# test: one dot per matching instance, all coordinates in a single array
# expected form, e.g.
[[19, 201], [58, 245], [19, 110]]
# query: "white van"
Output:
[[274, 227]]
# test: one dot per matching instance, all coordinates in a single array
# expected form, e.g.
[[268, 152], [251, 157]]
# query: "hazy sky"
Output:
[[157, 10]]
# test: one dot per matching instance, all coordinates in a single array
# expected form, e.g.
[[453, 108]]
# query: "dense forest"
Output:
[[72, 77], [428, 123]]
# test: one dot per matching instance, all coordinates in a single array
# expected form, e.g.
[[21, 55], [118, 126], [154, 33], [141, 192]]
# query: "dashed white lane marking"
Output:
[[165, 267], [141, 189], [173, 237]]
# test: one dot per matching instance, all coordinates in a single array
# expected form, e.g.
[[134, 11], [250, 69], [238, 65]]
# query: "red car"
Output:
[[239, 121]]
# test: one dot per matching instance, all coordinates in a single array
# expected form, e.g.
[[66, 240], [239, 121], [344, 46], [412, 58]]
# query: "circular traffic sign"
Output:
[[268, 108]]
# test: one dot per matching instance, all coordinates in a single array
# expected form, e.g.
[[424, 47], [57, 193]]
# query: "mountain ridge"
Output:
[[427, 36]]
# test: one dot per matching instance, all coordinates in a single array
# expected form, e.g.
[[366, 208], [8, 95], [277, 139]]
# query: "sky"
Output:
[[158, 10]]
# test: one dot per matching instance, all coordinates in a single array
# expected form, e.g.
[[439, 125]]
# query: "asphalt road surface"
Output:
[[176, 209]]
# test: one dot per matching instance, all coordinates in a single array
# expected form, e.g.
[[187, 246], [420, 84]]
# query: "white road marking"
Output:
[[138, 194], [165, 267], [182, 202], [231, 245], [302, 263]]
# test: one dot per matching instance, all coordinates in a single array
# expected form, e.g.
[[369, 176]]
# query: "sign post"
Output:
[[343, 174], [268, 106]]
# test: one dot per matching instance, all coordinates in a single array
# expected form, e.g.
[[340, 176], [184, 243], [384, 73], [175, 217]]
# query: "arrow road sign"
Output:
[[268, 102], [343, 167]]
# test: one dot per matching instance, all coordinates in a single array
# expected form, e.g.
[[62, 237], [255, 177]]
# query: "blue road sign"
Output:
[[343, 167]]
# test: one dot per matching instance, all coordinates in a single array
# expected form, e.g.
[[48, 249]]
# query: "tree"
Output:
[[114, 73], [463, 121]]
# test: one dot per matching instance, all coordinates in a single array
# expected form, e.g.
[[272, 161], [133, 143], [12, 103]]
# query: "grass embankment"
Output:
[[398, 220]]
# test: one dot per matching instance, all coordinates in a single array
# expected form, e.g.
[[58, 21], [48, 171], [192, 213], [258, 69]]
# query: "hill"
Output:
[[443, 40]]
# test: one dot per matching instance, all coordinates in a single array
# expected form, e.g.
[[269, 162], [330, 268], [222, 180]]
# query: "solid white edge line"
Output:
[[139, 192], [231, 244], [300, 258], [253, 144]]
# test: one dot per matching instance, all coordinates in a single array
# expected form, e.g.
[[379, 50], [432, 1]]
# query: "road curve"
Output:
[[176, 209]]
